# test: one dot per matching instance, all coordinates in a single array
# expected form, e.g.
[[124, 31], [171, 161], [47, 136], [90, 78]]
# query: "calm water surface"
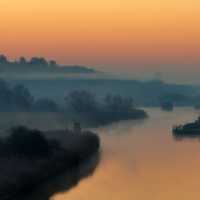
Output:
[[141, 160]]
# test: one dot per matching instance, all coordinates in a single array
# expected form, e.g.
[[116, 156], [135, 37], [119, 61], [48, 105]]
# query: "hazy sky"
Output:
[[113, 35]]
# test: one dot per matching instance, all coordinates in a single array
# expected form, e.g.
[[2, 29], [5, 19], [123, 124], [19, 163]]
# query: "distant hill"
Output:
[[39, 65]]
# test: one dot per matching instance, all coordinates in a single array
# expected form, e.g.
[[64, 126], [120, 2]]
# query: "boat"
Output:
[[167, 106], [190, 129]]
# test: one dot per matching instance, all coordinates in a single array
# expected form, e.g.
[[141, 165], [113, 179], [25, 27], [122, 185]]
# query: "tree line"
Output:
[[86, 107], [79, 105], [41, 61], [19, 98]]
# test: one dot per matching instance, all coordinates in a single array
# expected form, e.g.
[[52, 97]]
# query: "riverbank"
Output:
[[106, 117], [59, 121], [21, 171]]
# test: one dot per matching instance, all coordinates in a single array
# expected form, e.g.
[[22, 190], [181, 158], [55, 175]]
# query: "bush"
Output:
[[27, 142]]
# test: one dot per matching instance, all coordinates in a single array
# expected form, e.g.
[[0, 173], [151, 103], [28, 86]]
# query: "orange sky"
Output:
[[109, 34]]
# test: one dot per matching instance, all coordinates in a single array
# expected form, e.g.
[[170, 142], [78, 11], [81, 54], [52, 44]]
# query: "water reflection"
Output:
[[64, 181], [143, 161], [140, 161]]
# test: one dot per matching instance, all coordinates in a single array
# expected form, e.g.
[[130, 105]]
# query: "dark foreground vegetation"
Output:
[[29, 157]]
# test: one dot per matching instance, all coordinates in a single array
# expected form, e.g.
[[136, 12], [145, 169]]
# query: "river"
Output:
[[142, 160]]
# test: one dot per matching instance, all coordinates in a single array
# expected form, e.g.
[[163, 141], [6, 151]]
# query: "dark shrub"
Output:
[[27, 142]]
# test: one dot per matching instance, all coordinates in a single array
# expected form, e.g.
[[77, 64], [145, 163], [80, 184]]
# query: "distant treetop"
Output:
[[43, 62]]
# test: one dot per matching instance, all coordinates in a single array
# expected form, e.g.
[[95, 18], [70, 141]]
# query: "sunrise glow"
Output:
[[105, 34]]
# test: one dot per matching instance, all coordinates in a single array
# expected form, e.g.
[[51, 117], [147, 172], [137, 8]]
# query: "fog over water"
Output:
[[143, 161]]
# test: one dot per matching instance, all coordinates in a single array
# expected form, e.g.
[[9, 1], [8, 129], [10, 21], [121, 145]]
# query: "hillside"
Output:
[[38, 66]]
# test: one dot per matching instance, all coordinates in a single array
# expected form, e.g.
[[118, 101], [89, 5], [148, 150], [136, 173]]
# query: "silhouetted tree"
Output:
[[38, 61], [22, 61], [3, 59], [52, 63], [82, 101], [22, 97], [5, 96]]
